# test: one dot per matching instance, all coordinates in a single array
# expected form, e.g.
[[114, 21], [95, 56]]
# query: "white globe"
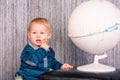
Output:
[[94, 26]]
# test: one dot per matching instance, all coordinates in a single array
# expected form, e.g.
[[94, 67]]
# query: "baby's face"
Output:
[[38, 34]]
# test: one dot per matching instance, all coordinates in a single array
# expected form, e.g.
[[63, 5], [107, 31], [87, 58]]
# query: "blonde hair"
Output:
[[42, 21]]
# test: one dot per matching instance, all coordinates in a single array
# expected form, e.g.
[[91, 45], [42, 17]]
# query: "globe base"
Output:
[[96, 68]]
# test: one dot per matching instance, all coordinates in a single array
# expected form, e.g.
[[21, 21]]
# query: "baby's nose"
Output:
[[38, 35]]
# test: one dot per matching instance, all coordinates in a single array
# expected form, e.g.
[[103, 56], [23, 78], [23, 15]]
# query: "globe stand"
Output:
[[96, 67]]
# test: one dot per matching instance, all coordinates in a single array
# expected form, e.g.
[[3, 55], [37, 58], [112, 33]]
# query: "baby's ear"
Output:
[[50, 35], [28, 34]]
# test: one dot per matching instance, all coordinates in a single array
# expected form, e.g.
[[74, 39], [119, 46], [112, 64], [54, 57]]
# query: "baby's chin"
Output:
[[35, 44], [38, 45]]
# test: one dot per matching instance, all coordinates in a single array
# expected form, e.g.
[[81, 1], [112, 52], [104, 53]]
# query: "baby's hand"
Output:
[[44, 45], [66, 66]]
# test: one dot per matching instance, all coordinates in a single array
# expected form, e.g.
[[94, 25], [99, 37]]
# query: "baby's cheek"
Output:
[[45, 40]]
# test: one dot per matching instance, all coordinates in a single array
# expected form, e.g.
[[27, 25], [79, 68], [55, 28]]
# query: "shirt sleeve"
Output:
[[55, 63]]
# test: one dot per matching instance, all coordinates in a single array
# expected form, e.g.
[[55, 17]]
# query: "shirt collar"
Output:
[[32, 45]]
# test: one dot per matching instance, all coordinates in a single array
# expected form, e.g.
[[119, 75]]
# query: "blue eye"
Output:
[[34, 32], [41, 32]]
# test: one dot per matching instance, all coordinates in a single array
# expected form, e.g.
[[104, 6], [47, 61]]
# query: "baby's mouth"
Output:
[[38, 41]]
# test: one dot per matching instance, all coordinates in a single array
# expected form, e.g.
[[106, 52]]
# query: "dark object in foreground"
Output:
[[78, 75]]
